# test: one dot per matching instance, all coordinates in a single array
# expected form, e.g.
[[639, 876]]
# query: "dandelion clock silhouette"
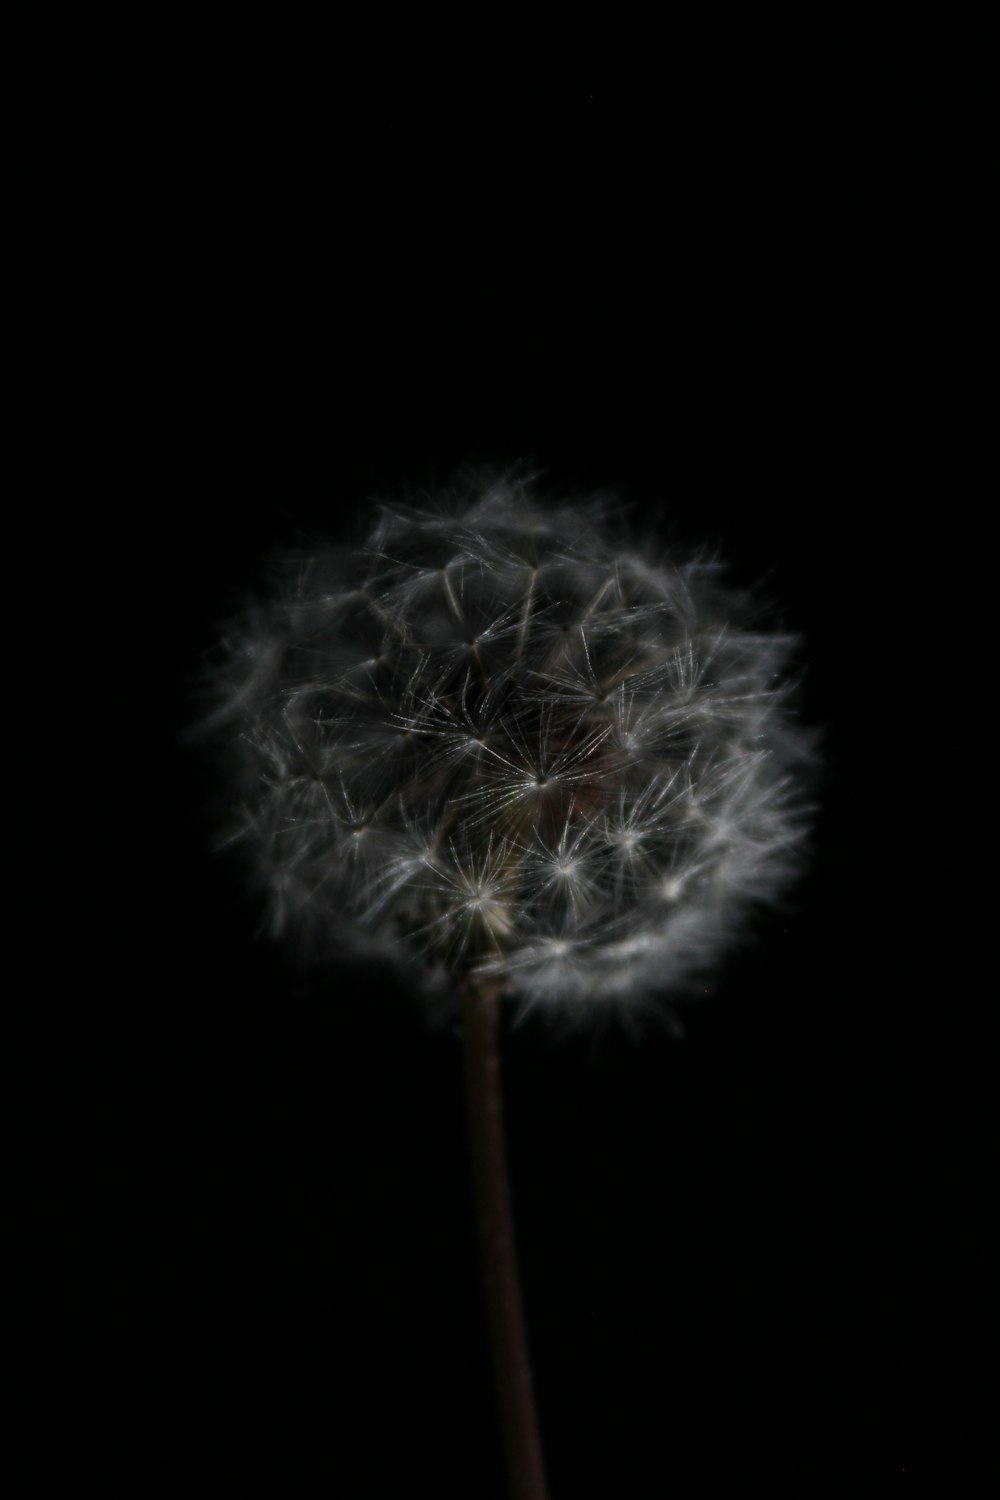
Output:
[[538, 765]]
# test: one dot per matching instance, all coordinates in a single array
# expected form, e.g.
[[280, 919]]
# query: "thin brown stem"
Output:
[[511, 1367]]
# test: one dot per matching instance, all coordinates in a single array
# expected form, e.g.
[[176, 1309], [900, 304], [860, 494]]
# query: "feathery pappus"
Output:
[[500, 742]]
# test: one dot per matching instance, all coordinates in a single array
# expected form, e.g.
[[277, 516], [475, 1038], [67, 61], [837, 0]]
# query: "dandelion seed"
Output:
[[499, 741]]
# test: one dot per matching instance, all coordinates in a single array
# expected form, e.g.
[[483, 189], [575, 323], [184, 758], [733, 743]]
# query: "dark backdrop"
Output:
[[730, 265]]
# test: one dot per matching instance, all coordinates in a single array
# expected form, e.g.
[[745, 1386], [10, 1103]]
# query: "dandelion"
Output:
[[517, 682], [518, 754]]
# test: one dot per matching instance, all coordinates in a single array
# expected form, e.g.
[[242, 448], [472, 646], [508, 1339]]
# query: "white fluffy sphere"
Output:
[[501, 744]]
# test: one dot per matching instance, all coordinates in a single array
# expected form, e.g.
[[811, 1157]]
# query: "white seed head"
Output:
[[497, 741]]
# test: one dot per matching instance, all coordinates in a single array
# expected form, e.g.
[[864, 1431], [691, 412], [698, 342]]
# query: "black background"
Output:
[[731, 265]]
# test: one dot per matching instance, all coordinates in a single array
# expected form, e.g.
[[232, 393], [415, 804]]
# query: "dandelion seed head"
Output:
[[498, 740]]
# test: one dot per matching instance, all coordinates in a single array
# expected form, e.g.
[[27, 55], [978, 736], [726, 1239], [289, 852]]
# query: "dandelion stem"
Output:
[[511, 1367]]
